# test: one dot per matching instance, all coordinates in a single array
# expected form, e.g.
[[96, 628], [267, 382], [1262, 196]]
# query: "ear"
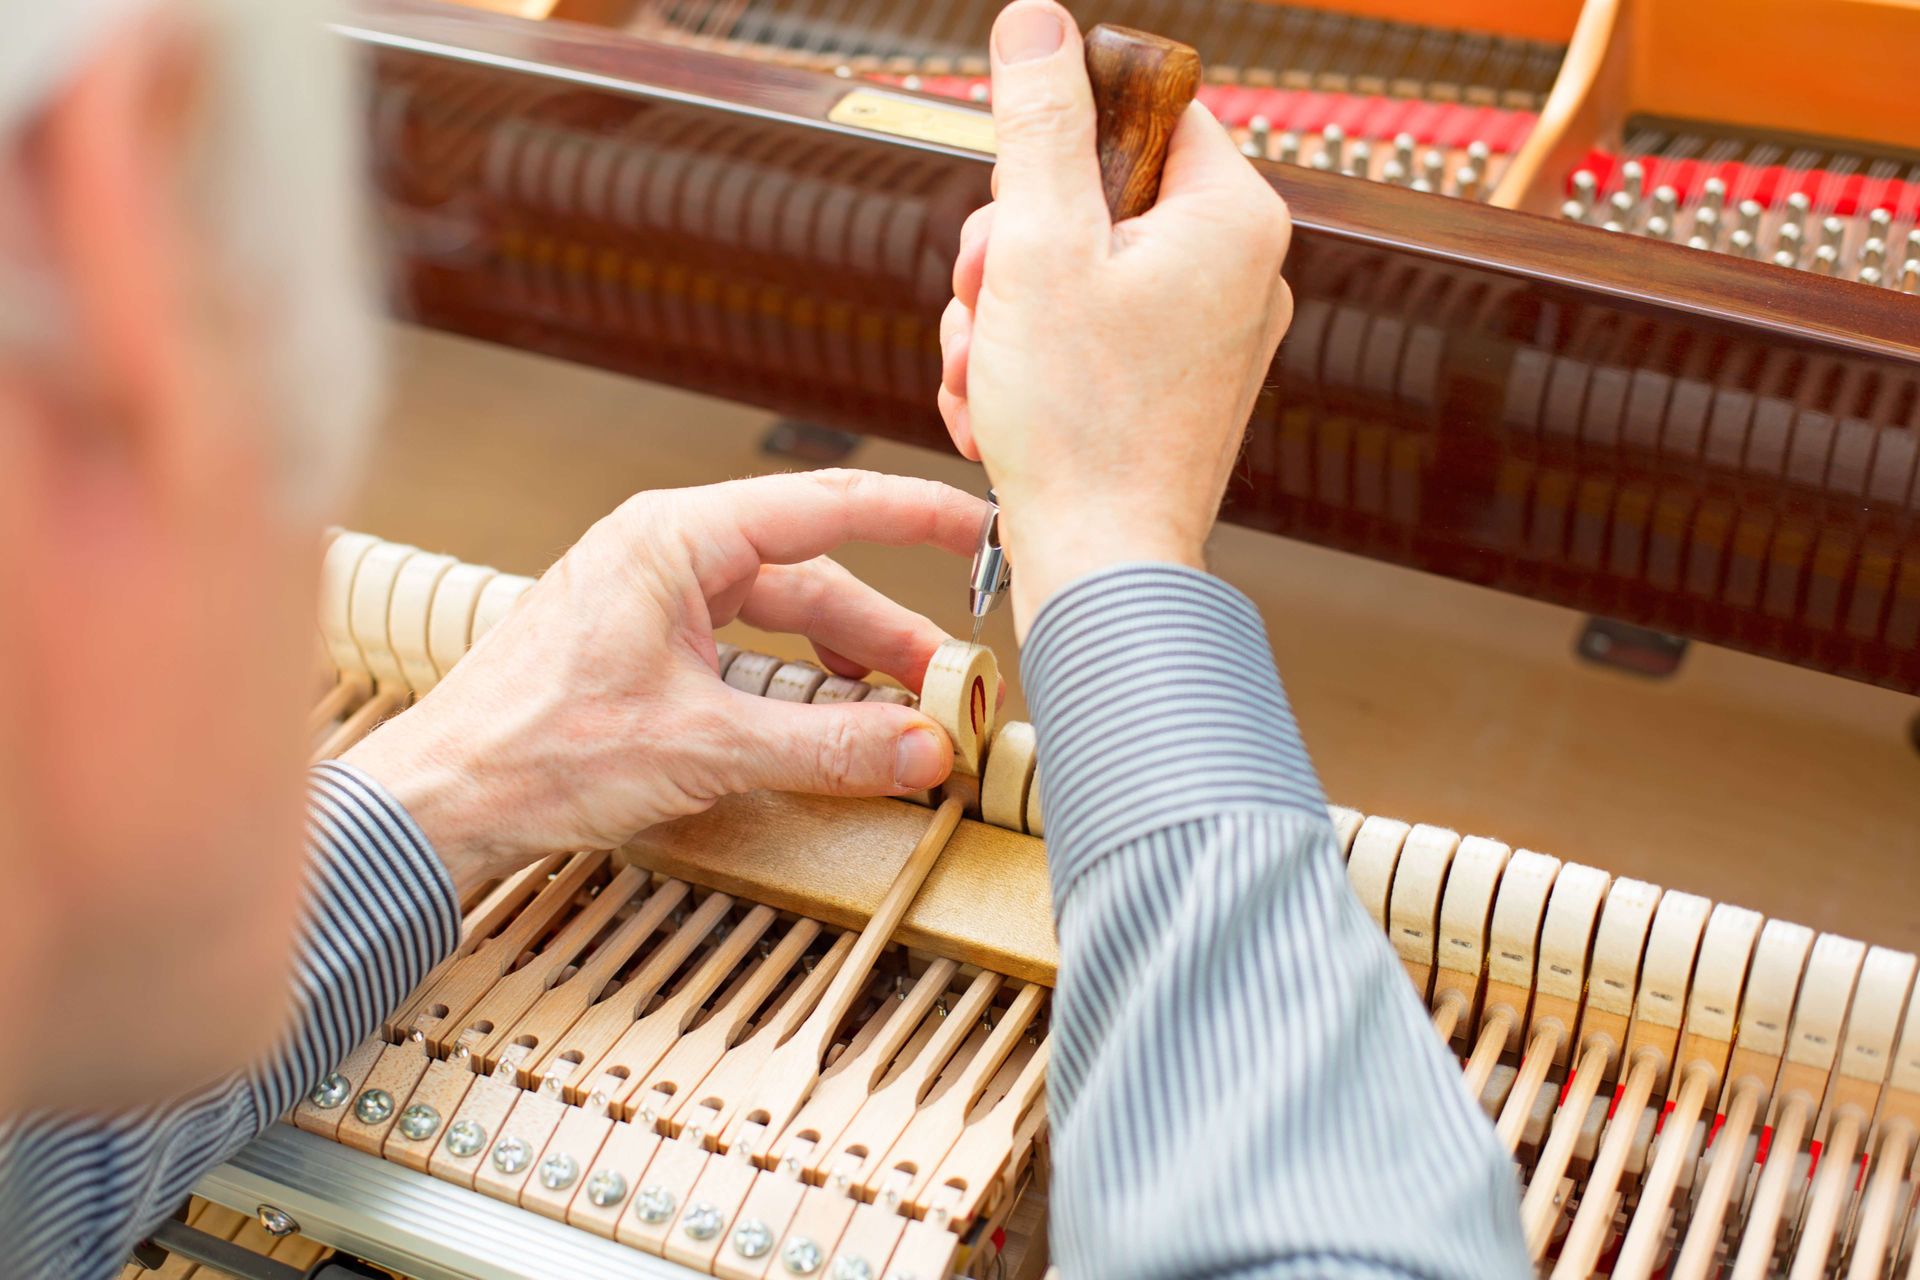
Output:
[[109, 165]]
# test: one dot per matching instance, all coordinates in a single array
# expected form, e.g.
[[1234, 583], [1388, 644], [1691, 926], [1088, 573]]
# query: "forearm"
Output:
[[379, 913], [1242, 1080]]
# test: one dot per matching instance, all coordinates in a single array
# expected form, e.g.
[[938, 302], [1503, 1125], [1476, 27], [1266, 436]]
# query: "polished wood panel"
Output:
[[1692, 442]]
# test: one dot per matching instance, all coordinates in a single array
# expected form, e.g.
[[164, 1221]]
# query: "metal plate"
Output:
[[412, 1223]]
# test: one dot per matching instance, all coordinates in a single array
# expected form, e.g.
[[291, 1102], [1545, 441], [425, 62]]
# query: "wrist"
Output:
[[1060, 551], [440, 796]]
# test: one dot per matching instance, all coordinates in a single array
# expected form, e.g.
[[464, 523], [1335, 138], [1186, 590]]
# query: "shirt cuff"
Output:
[[1156, 702], [392, 882]]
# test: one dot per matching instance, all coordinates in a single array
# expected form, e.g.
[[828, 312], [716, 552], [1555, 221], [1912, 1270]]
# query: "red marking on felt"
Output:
[[977, 703], [1614, 1106], [1565, 1089], [1813, 1158], [999, 1238], [1713, 1130], [1766, 1145], [1661, 1122], [1860, 1179], [1845, 194]]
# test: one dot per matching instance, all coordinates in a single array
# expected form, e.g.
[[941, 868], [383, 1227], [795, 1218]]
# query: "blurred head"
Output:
[[187, 368]]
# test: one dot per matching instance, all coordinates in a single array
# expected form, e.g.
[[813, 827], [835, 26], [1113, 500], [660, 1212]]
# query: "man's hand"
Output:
[[1105, 373], [594, 709]]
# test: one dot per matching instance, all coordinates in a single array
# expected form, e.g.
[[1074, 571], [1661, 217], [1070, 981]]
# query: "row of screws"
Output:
[[1622, 211], [1406, 167], [652, 1204]]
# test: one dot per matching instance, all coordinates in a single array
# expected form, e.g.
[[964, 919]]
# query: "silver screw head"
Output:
[[331, 1092], [419, 1122], [277, 1223], [511, 1155], [373, 1106], [800, 1255], [558, 1171], [752, 1238], [465, 1138], [851, 1267], [606, 1188], [702, 1221], [653, 1204]]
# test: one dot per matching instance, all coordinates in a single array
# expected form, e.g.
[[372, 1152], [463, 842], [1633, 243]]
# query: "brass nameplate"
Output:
[[951, 126]]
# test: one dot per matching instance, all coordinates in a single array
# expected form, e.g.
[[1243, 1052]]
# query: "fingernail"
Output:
[[920, 759], [1027, 32]]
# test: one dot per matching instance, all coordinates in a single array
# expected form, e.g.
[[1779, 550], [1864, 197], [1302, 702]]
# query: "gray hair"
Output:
[[275, 184]]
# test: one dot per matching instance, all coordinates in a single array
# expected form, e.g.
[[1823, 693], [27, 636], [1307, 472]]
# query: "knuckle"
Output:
[[837, 758]]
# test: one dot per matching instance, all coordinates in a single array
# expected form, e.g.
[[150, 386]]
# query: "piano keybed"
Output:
[[1686, 1088]]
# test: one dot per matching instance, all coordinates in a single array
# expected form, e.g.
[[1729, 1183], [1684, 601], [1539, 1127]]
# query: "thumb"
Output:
[[1043, 119], [845, 749]]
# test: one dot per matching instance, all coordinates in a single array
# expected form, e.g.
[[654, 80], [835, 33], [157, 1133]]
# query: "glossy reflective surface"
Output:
[[1702, 445]]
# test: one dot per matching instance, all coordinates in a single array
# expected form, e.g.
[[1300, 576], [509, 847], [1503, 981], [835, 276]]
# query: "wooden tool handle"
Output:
[[1141, 85]]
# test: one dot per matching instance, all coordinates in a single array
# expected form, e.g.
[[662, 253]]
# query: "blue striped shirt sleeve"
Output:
[[380, 911], [1243, 1082]]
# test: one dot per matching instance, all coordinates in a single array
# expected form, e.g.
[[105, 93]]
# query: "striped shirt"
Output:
[[1242, 1082]]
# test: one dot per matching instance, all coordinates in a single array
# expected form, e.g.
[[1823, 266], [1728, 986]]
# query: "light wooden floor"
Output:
[[1793, 793]]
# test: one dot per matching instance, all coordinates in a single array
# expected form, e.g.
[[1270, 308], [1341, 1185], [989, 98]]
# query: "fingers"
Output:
[[1207, 178], [956, 340], [970, 267], [1046, 172], [845, 618], [731, 529], [959, 419], [847, 749]]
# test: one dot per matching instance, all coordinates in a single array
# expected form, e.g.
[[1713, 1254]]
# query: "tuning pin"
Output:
[[1825, 259], [1869, 275], [1466, 182], [1333, 141], [1713, 194], [1633, 180], [1573, 211], [1478, 154], [1613, 225], [1659, 228], [1783, 259], [1259, 137], [1322, 160], [1699, 242], [1880, 223], [1433, 169], [911, 82], [1289, 147], [1666, 202], [1799, 205], [1622, 205], [1913, 243], [1740, 243], [1750, 213], [1586, 188], [1360, 159], [1873, 252], [1403, 145], [1910, 276], [979, 93], [1420, 184], [1832, 231], [1706, 223], [1393, 173], [1787, 241]]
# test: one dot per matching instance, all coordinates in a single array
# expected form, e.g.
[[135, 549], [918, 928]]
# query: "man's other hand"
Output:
[[1105, 373], [595, 710]]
